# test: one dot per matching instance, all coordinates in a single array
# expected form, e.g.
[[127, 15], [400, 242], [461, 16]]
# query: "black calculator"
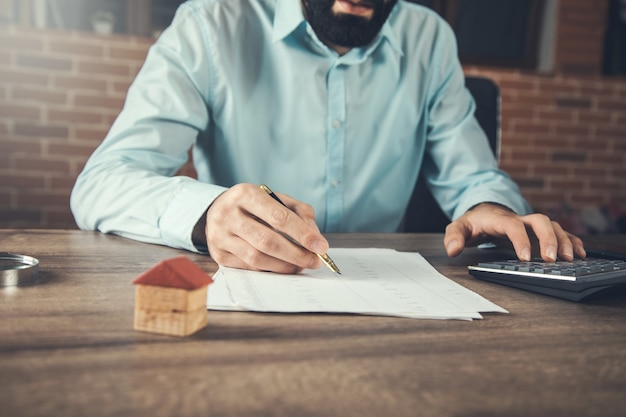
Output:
[[571, 280]]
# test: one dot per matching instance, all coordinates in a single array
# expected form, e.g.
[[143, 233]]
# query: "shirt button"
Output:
[[337, 124], [335, 183]]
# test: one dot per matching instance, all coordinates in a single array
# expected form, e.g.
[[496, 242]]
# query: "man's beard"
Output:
[[345, 29]]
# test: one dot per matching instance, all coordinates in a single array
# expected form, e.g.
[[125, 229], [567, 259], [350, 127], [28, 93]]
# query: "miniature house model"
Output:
[[170, 298]]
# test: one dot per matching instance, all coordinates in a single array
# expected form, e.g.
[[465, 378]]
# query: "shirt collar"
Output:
[[289, 16]]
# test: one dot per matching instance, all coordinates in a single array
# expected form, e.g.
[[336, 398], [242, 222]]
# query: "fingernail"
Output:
[[452, 245], [568, 252], [551, 252], [525, 255]]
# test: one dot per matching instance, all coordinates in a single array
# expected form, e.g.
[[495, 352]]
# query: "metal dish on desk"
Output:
[[18, 270]]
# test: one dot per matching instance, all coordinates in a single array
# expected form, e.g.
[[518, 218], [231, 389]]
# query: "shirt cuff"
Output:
[[187, 206], [514, 202]]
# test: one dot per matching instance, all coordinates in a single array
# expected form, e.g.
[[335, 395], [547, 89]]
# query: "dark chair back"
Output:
[[423, 214]]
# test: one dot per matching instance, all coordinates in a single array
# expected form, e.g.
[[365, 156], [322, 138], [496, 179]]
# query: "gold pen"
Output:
[[324, 257]]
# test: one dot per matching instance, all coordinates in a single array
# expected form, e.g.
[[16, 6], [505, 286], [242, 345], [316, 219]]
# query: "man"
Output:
[[337, 104]]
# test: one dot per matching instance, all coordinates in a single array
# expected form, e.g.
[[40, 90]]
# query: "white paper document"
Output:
[[373, 282]]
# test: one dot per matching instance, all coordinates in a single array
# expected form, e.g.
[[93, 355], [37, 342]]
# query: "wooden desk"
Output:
[[67, 347]]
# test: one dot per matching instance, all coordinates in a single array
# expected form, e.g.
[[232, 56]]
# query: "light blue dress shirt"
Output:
[[250, 88]]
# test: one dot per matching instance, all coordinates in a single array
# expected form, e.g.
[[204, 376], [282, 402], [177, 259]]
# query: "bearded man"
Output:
[[337, 104]]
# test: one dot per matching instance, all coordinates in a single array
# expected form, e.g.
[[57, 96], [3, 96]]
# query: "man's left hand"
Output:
[[493, 223]]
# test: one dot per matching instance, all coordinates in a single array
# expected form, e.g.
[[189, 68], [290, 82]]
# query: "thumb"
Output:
[[454, 239]]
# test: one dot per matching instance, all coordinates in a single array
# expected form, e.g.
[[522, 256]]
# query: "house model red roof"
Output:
[[179, 272]]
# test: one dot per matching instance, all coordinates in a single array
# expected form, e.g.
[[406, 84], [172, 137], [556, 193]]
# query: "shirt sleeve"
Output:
[[459, 165], [129, 185]]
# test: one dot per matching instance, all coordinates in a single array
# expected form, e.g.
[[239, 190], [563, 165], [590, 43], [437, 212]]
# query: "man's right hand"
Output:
[[248, 229]]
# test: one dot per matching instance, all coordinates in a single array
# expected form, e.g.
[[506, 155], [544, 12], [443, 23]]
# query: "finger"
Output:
[[237, 253], [543, 229], [290, 223], [566, 248], [243, 222], [455, 236], [303, 210], [579, 247], [234, 228], [264, 247], [516, 232]]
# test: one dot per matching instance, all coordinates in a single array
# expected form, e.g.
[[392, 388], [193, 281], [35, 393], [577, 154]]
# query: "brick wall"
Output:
[[563, 135], [59, 93], [580, 35], [564, 138]]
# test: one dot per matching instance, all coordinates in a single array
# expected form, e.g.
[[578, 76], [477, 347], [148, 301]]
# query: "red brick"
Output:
[[102, 68], [594, 117], [91, 134], [618, 173], [110, 118], [75, 116], [586, 171], [62, 182], [17, 147], [21, 111], [71, 149], [586, 144], [552, 170], [566, 184], [605, 158], [41, 130], [39, 95], [610, 104], [617, 132], [7, 198], [606, 185], [531, 128], [588, 200], [19, 217], [62, 219], [122, 86], [15, 77], [115, 103], [22, 181], [527, 99], [579, 69], [76, 48], [523, 84], [573, 102], [129, 53], [573, 130], [515, 168], [45, 63], [43, 199], [530, 182], [35, 164], [569, 156], [620, 145], [599, 88], [560, 87], [550, 142], [21, 43], [79, 83], [517, 113]]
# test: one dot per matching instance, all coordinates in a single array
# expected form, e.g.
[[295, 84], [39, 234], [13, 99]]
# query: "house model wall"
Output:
[[170, 298]]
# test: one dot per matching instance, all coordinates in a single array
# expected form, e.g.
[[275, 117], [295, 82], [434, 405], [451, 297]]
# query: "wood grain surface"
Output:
[[67, 346]]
